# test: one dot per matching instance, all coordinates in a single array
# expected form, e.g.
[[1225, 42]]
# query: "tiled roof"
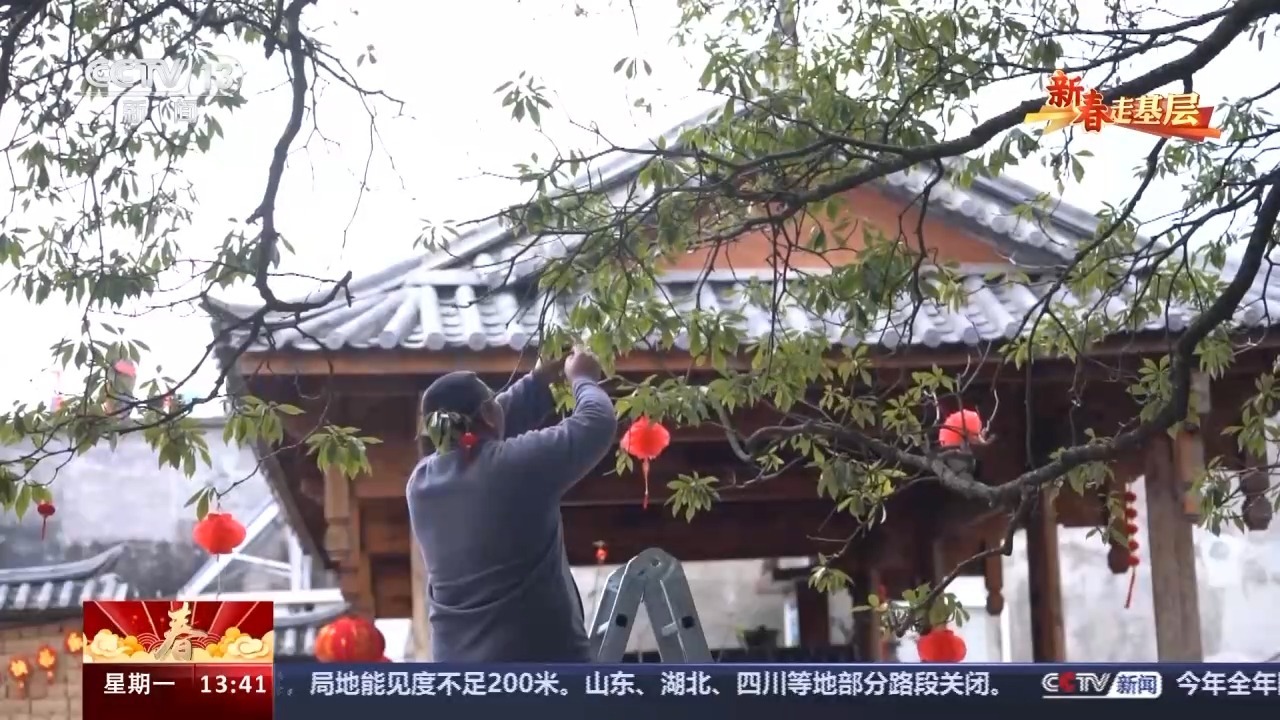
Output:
[[479, 292], [61, 588], [296, 631], [435, 310]]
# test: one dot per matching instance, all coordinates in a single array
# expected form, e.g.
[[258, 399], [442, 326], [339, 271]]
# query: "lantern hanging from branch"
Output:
[[961, 427], [46, 510], [941, 645], [47, 659], [350, 639], [645, 441], [218, 533]]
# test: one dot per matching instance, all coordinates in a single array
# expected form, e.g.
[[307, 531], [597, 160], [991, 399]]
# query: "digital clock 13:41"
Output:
[[221, 684]]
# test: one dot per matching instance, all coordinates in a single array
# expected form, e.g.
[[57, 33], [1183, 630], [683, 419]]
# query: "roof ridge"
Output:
[[61, 572]]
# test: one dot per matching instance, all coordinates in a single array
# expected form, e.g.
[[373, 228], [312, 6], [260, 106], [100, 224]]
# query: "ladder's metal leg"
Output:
[[672, 611], [657, 579], [616, 613]]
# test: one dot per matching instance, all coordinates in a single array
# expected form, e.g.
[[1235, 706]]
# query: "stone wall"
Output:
[[42, 698]]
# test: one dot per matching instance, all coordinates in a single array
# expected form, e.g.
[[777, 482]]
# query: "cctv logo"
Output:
[[1136, 684]]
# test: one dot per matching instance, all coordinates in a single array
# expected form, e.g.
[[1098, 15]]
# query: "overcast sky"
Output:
[[444, 60]]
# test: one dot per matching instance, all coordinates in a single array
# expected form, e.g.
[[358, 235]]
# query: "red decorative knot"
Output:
[[1131, 531], [46, 511]]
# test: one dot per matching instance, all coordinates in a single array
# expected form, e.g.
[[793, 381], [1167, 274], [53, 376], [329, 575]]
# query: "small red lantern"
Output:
[[941, 645], [47, 659], [46, 510], [961, 427], [1131, 531], [602, 552], [218, 533], [645, 440], [350, 639]]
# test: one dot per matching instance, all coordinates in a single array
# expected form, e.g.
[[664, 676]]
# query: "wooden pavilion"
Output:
[[364, 364]]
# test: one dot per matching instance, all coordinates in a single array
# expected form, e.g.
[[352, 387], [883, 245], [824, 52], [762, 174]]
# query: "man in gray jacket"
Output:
[[486, 513]]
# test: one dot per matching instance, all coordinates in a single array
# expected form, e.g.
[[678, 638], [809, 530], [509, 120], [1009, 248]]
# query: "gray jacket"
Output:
[[489, 526]]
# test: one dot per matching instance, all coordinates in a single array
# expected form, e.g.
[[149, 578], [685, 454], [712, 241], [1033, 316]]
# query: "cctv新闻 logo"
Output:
[[164, 77], [1069, 684]]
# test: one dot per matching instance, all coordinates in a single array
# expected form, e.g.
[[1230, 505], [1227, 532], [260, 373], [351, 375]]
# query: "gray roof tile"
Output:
[[476, 294], [462, 312], [296, 631], [61, 587]]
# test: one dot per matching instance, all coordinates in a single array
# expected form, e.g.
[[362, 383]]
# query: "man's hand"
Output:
[[582, 364], [549, 371]]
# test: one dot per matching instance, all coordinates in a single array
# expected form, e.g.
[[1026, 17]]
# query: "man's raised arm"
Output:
[[528, 402], [570, 449]]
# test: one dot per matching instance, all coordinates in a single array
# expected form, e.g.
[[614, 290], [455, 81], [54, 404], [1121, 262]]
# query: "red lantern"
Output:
[[959, 428], [941, 645], [218, 533], [46, 511], [602, 552], [645, 441], [350, 639]]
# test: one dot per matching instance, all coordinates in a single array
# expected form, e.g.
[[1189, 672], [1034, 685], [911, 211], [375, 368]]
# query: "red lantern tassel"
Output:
[[1133, 582], [44, 525], [644, 471]]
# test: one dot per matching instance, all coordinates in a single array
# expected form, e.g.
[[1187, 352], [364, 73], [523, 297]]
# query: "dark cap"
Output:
[[458, 393]]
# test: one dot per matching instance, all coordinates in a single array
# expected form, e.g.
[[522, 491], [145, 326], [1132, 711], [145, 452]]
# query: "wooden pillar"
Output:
[[815, 616], [421, 631], [868, 635], [1170, 468], [1044, 576]]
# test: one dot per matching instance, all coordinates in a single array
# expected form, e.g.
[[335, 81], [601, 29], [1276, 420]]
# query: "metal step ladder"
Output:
[[655, 579]]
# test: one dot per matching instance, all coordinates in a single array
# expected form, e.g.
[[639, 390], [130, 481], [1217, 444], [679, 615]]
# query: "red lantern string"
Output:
[[46, 510], [1131, 532], [645, 441], [961, 427]]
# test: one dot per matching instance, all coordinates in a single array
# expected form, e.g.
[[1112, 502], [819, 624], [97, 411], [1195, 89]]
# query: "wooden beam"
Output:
[[1048, 639], [814, 610], [338, 505], [868, 634], [1172, 556]]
